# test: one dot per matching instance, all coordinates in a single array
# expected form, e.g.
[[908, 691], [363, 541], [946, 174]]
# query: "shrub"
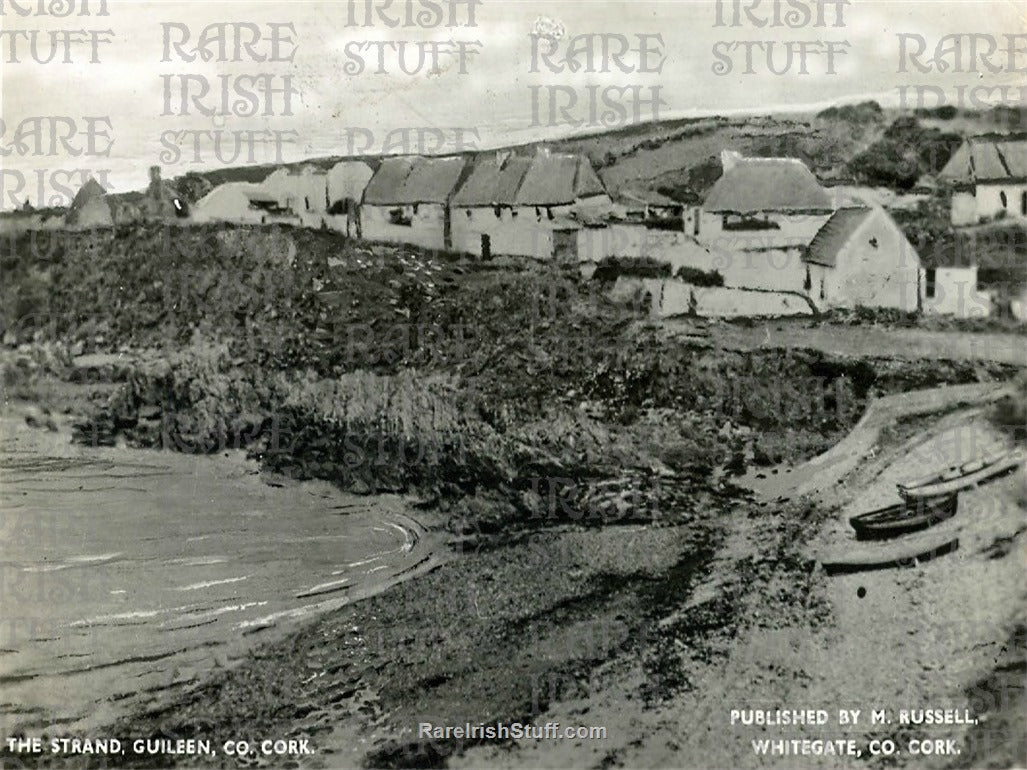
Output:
[[403, 432], [612, 268], [697, 277], [1010, 413]]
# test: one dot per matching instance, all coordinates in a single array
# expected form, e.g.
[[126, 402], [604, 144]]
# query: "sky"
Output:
[[485, 91]]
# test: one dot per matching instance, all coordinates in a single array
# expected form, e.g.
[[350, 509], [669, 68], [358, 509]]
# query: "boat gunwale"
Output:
[[939, 488], [931, 511]]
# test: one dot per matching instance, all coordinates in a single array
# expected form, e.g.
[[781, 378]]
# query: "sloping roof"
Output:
[[641, 195], [387, 181], [835, 233], [432, 180], [988, 158], [767, 184], [91, 190], [493, 182], [348, 179], [557, 178], [414, 180], [307, 168], [227, 191]]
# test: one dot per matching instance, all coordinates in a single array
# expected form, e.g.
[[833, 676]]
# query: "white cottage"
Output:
[[303, 192], [347, 181], [90, 207], [988, 177], [948, 285], [761, 215], [861, 257], [228, 202], [407, 201], [525, 205]]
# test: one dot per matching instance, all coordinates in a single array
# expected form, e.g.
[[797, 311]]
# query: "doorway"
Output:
[[486, 247]]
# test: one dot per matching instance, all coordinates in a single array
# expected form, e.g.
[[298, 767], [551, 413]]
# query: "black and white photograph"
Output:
[[513, 384]]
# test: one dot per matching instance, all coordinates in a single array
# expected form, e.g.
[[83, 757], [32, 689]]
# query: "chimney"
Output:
[[729, 159], [156, 191]]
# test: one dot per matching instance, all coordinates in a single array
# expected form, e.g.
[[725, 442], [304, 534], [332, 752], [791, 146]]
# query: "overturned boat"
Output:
[[903, 552], [959, 477]]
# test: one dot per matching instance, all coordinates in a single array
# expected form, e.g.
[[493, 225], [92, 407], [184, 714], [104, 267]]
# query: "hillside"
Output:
[[681, 157]]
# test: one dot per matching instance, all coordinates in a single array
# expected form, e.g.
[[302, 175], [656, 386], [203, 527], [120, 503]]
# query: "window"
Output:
[[931, 286], [823, 292], [513, 213], [400, 217], [549, 214], [808, 283], [873, 242], [1002, 197], [1023, 203], [468, 213], [748, 222], [306, 203], [497, 210]]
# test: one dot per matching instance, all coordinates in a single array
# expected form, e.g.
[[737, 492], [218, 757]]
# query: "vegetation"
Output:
[[697, 277], [944, 112], [612, 268], [1010, 413], [862, 113], [905, 152], [485, 377]]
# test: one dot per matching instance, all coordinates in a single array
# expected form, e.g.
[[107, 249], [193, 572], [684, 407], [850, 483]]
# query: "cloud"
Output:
[[493, 98]]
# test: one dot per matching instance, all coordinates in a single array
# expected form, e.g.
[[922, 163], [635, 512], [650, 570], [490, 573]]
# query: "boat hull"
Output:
[[906, 553], [903, 518], [949, 483]]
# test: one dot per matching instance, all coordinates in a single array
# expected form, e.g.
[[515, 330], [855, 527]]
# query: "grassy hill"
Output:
[[862, 143]]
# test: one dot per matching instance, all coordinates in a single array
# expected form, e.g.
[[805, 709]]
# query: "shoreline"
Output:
[[689, 594], [640, 589], [157, 558]]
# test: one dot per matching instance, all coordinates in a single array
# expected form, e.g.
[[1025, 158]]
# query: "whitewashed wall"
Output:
[[671, 297], [955, 294], [427, 229], [989, 200], [792, 230]]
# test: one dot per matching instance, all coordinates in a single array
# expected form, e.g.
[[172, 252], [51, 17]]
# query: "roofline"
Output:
[[814, 260], [403, 203], [827, 210], [867, 213]]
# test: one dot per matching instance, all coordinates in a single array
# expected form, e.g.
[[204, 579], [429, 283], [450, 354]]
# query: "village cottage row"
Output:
[[779, 242]]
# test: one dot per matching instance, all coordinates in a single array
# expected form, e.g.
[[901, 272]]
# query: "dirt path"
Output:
[[821, 473], [915, 638]]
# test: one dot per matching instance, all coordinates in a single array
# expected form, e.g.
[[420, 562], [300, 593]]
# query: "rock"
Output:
[[34, 417]]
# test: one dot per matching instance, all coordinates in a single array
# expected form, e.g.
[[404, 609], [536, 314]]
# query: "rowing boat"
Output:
[[906, 552], [904, 517], [960, 477]]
